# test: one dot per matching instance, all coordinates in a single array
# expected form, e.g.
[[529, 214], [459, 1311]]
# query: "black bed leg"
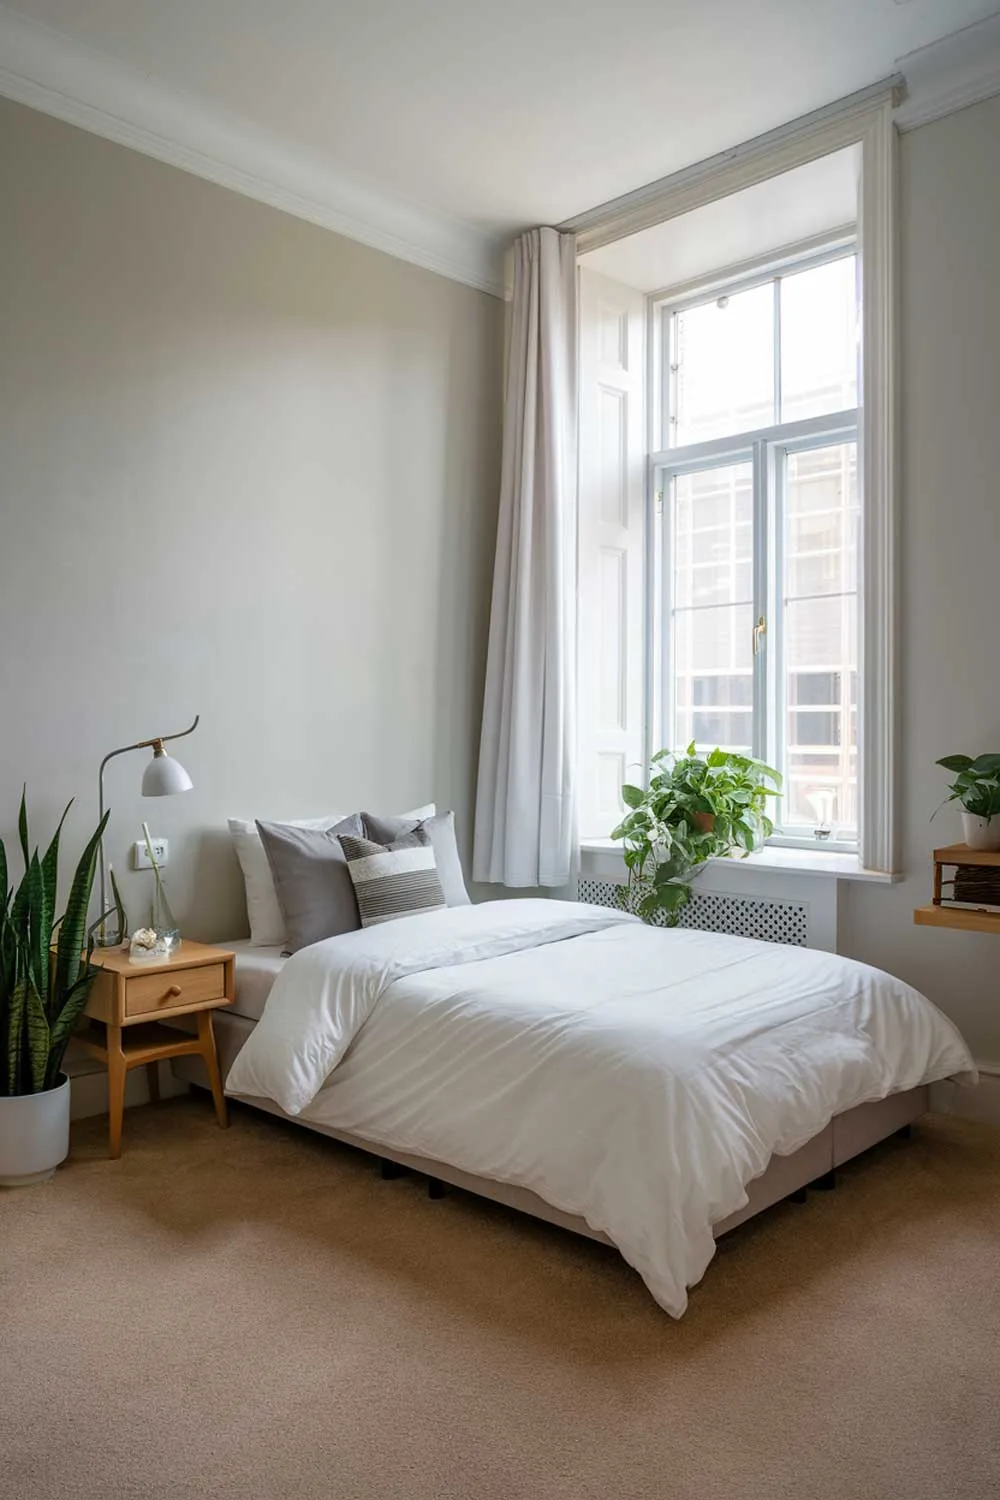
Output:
[[390, 1169], [799, 1196], [826, 1183], [904, 1132], [435, 1188]]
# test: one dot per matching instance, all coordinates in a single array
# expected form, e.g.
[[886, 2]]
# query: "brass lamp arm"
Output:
[[153, 744]]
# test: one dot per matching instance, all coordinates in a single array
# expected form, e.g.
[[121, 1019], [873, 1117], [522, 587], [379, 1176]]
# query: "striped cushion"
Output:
[[393, 880]]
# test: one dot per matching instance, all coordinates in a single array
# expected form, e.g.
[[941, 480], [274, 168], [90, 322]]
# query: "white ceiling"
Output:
[[447, 124], [518, 113], [783, 211]]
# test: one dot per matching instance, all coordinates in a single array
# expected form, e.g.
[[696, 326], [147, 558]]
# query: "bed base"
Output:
[[813, 1165]]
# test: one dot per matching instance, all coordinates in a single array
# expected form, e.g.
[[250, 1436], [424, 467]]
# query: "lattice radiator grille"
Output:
[[772, 921]]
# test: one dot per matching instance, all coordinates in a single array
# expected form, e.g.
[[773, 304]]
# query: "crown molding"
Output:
[[47, 71], [958, 70]]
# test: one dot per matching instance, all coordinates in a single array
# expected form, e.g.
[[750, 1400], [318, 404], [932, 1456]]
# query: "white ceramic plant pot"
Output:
[[34, 1135], [980, 833]]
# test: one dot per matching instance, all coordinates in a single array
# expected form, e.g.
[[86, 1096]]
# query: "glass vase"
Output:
[[161, 918], [112, 926]]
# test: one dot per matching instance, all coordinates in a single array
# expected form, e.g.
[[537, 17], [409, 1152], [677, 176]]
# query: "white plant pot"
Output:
[[981, 833], [34, 1135]]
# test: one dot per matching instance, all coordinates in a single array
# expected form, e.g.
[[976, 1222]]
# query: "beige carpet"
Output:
[[255, 1315]]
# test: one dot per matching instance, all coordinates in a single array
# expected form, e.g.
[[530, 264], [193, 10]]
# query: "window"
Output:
[[754, 618], [738, 397]]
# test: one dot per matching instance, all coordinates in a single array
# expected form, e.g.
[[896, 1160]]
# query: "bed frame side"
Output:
[[846, 1136]]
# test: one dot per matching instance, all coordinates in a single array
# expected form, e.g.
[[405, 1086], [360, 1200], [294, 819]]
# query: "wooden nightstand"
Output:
[[133, 1001]]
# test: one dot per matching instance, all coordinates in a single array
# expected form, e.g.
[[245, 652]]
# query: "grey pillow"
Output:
[[311, 880], [393, 880], [441, 831]]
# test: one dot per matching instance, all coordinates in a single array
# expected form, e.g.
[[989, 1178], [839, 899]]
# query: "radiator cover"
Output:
[[743, 916]]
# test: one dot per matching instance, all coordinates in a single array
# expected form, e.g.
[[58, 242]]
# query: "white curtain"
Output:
[[525, 831]]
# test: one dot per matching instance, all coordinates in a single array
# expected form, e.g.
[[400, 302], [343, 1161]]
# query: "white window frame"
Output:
[[866, 120], [762, 449]]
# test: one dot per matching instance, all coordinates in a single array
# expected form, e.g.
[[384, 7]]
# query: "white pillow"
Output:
[[267, 925]]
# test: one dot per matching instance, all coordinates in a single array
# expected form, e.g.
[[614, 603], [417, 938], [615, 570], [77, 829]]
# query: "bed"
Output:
[[650, 1089]]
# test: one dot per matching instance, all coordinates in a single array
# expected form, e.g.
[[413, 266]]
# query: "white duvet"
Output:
[[637, 1077]]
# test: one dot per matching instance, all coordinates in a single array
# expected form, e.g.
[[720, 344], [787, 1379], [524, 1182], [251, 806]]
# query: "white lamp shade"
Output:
[[164, 776]]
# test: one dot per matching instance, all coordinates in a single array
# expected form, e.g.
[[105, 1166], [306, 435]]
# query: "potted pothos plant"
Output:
[[694, 808], [977, 787], [45, 978]]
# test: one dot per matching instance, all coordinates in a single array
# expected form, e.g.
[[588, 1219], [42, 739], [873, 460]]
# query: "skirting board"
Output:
[[89, 1094], [982, 1103], [88, 1090]]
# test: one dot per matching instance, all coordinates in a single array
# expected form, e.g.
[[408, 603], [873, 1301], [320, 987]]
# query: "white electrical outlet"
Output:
[[140, 854]]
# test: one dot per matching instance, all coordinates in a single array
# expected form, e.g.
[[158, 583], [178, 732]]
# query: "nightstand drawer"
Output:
[[174, 988]]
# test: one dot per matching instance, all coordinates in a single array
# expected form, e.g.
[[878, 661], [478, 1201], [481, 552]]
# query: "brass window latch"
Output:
[[759, 631]]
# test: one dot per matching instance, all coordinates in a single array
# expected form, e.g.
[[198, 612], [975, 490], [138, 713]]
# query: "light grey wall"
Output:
[[950, 617], [248, 469]]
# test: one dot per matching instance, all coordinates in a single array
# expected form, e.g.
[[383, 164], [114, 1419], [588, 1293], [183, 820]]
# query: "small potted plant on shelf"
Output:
[[695, 808], [44, 984], [977, 787]]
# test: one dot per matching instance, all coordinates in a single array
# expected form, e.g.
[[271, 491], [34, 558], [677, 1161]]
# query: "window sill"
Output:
[[825, 863]]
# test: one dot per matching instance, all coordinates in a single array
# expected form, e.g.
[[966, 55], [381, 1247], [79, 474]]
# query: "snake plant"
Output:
[[43, 984]]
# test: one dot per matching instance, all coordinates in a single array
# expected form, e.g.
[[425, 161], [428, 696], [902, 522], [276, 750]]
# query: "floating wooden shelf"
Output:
[[967, 915], [963, 917], [961, 854]]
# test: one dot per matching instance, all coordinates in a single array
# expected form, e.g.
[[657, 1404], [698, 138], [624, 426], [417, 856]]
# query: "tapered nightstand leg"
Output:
[[206, 1036], [153, 1079], [117, 1074]]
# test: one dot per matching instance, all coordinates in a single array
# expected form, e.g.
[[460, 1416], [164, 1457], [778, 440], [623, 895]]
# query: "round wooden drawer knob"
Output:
[[174, 990]]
